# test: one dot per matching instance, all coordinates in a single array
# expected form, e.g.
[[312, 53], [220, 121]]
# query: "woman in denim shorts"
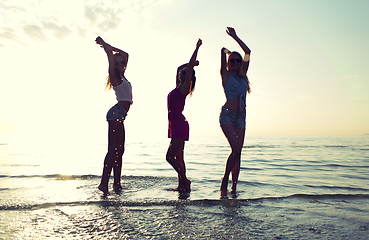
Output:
[[233, 114], [116, 115]]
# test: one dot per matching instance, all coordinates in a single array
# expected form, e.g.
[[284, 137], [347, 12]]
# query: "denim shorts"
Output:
[[116, 112], [238, 120]]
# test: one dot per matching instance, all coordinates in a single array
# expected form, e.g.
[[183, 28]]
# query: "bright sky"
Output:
[[309, 64]]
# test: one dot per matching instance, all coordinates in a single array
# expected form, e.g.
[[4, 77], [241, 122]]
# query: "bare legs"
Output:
[[113, 159], [175, 158], [235, 137]]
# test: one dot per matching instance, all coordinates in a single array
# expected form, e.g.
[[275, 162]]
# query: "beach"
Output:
[[290, 187]]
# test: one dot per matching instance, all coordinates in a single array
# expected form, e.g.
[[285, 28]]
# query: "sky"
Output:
[[308, 70]]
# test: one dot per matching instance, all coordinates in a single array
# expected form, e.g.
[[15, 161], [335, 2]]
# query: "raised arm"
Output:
[[109, 53], [223, 64], [123, 53], [232, 32], [185, 88], [246, 59], [109, 50]]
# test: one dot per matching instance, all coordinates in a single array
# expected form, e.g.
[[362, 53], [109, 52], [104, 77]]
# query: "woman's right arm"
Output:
[[123, 53], [109, 53], [185, 88], [246, 59], [223, 65]]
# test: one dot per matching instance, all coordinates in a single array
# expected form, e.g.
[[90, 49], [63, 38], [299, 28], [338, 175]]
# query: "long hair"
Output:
[[193, 83], [108, 85], [193, 80], [239, 74]]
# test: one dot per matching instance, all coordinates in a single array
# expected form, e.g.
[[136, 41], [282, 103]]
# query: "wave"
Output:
[[335, 165], [338, 187], [150, 179], [65, 177], [299, 146], [55, 176], [261, 146], [232, 202]]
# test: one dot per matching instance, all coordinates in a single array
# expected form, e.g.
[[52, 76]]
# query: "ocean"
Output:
[[290, 187]]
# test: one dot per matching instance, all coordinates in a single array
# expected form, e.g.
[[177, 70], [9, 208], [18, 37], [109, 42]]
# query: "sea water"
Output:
[[290, 187]]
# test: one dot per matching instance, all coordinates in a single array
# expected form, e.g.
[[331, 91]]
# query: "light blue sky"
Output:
[[308, 67]]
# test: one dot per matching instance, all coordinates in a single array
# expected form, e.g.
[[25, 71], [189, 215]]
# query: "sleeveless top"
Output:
[[123, 92], [176, 101], [236, 87]]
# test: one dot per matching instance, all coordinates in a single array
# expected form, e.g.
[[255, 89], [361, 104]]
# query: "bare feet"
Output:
[[187, 186], [174, 189], [223, 188], [103, 188], [223, 193], [234, 187], [117, 187], [180, 187]]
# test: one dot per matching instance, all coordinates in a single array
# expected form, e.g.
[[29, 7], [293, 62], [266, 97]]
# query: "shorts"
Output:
[[116, 112], [238, 120]]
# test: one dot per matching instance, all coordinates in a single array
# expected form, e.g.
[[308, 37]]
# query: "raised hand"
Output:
[[231, 32], [226, 51], [99, 40], [199, 42]]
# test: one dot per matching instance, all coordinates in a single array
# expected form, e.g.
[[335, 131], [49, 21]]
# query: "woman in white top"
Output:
[[118, 60]]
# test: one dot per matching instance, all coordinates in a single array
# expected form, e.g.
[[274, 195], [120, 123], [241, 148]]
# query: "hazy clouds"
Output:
[[43, 20]]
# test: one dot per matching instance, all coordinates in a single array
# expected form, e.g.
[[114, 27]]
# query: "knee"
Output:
[[236, 152], [119, 151], [109, 159], [170, 158], [116, 151]]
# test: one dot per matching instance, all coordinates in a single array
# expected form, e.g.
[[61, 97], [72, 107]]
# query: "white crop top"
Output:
[[123, 92]]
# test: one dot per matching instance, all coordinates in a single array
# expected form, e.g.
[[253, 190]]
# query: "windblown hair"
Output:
[[108, 85], [193, 81], [239, 70]]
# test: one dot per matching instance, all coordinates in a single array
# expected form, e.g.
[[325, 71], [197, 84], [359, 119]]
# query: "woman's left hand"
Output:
[[99, 40], [231, 32], [199, 42]]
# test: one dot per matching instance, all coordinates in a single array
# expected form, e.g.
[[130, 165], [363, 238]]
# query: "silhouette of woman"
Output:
[[116, 115], [178, 128], [233, 114]]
